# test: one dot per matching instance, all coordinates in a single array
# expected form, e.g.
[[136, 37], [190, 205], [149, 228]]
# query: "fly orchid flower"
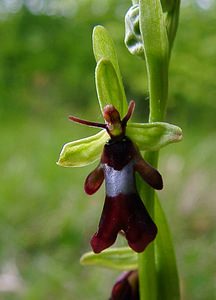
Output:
[[120, 145], [123, 209]]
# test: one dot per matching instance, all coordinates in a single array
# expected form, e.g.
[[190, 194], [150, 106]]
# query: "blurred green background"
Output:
[[47, 73]]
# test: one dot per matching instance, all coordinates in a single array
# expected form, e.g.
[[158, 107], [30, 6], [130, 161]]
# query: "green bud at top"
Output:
[[133, 38]]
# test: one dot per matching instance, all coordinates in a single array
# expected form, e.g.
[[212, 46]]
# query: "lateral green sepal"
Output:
[[84, 151], [153, 136], [114, 258]]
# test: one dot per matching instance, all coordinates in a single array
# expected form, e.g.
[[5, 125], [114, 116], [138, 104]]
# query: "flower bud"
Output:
[[126, 287], [133, 38]]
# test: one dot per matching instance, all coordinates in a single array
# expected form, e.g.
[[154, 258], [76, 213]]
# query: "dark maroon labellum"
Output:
[[123, 209]]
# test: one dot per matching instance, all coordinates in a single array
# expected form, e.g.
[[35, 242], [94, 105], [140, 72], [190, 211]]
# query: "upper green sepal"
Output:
[[153, 136], [103, 46], [114, 258], [108, 87], [104, 50], [84, 151]]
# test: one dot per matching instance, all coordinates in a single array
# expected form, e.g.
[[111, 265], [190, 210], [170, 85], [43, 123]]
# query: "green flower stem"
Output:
[[157, 51], [147, 270], [158, 88], [167, 274], [146, 259]]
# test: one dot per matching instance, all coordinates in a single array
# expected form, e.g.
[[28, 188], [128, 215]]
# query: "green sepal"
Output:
[[104, 48], [167, 273], [153, 136], [147, 136], [108, 87], [84, 151], [123, 258]]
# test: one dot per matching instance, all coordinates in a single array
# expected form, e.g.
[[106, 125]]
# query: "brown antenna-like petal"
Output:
[[88, 123]]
